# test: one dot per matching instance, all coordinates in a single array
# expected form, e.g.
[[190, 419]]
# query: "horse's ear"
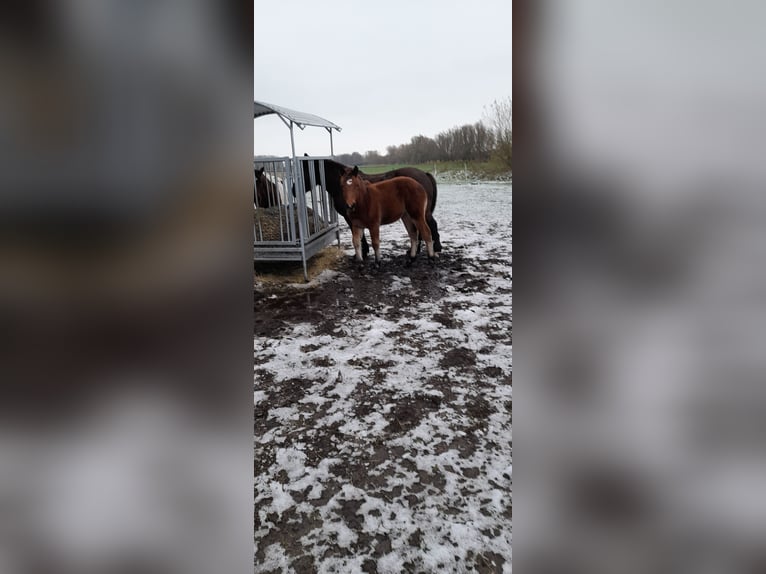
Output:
[[260, 171], [305, 154], [355, 171]]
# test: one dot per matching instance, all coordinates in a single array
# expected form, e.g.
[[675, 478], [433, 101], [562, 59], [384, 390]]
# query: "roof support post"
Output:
[[332, 151]]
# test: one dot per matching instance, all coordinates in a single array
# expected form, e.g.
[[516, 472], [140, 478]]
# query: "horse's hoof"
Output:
[[432, 260]]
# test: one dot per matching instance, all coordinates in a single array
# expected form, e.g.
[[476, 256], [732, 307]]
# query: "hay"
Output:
[[267, 223], [273, 224], [275, 273]]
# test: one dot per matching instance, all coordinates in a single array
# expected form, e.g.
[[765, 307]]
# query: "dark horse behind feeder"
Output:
[[333, 172], [266, 193], [370, 205]]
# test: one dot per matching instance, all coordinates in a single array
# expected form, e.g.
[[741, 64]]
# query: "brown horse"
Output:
[[370, 205], [334, 170], [266, 194]]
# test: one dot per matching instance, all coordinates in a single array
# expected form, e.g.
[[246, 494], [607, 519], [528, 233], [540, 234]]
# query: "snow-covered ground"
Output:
[[383, 404]]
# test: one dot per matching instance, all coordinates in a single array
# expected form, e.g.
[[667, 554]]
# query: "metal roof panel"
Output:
[[301, 119]]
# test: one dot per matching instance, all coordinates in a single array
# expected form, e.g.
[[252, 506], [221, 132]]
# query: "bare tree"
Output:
[[500, 120], [485, 141], [466, 142], [422, 149], [372, 157], [471, 142], [394, 153]]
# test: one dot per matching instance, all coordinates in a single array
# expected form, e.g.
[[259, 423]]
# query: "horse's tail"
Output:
[[432, 206], [430, 218]]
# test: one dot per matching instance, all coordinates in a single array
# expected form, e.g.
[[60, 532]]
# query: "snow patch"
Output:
[[437, 480]]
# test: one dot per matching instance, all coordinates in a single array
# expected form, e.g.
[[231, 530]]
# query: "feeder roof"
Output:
[[300, 119]]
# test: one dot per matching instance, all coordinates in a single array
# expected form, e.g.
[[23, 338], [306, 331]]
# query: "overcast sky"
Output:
[[383, 71]]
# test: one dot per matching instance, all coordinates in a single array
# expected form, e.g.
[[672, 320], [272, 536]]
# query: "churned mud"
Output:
[[383, 405]]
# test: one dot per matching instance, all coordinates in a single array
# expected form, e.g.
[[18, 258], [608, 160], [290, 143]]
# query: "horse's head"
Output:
[[264, 188], [352, 186], [309, 167], [260, 182]]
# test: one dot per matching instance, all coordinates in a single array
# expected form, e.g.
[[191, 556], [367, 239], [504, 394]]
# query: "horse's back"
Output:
[[418, 175], [402, 194], [425, 179], [401, 184], [412, 172]]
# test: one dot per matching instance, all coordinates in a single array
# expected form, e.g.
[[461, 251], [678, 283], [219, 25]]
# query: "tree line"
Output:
[[490, 138]]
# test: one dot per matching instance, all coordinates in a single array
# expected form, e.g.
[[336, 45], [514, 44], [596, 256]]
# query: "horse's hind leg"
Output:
[[412, 231], [409, 225], [419, 240], [425, 233], [434, 233]]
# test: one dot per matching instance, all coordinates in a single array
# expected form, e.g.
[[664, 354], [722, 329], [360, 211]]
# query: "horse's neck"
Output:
[[332, 177], [364, 193]]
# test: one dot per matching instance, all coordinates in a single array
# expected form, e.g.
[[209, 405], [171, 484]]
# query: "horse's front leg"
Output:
[[356, 235], [375, 239], [365, 247]]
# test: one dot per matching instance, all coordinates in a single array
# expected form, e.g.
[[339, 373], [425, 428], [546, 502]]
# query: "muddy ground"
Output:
[[383, 411]]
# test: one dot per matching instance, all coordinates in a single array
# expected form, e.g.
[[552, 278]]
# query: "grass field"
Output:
[[481, 169]]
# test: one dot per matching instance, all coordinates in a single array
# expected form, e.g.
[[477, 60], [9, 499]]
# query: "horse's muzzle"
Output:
[[350, 207]]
